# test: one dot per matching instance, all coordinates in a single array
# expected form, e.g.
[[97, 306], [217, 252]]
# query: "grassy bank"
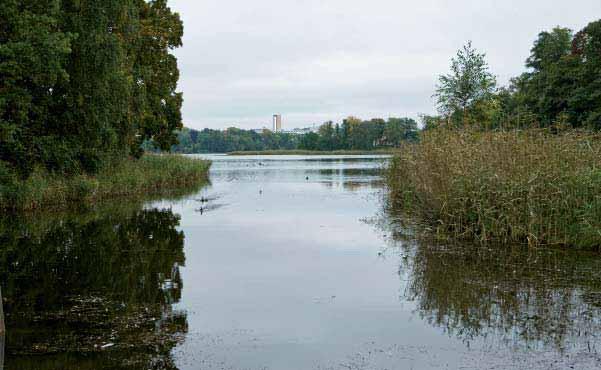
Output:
[[313, 152], [529, 187], [150, 175]]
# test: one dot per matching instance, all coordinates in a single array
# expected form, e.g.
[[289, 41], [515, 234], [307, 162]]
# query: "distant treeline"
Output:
[[562, 86], [351, 134], [84, 83]]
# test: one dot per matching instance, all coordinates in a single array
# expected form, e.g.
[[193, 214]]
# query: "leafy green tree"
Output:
[[563, 83], [545, 89], [399, 130], [550, 48], [33, 54], [92, 104], [469, 82], [157, 103], [309, 141], [327, 140], [585, 100], [85, 82]]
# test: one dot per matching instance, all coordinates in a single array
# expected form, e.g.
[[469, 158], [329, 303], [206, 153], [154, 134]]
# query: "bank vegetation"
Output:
[[83, 84], [533, 187], [516, 164], [151, 175]]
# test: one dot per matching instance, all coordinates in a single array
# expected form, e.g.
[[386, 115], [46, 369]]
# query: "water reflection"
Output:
[[546, 300], [350, 179], [1, 351], [92, 290], [293, 168]]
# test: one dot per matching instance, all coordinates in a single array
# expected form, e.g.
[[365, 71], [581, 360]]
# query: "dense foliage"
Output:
[[469, 83], [352, 134], [562, 85], [232, 139], [84, 82], [355, 134]]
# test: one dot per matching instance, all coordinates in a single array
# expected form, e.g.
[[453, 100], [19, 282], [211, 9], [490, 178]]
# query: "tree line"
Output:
[[352, 134], [85, 82], [562, 86]]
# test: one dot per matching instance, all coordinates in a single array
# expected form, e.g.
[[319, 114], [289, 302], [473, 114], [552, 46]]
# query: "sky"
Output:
[[318, 60]]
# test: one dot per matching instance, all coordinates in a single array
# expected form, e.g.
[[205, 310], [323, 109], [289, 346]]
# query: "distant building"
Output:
[[277, 127], [299, 131], [277, 122], [302, 130]]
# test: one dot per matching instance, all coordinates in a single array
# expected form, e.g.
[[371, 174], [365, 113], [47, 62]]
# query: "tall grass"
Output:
[[150, 175], [532, 186]]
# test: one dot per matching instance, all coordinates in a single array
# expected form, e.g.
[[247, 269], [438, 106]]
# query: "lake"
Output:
[[284, 262]]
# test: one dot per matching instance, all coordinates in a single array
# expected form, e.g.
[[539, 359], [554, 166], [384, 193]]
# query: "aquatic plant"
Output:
[[537, 187], [149, 175]]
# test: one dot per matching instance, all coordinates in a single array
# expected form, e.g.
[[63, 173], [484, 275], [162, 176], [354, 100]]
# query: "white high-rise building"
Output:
[[277, 122]]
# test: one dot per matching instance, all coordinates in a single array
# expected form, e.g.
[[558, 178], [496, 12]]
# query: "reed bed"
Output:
[[535, 186], [149, 176]]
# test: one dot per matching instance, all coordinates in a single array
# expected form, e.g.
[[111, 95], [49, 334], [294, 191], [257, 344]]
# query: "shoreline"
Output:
[[151, 175], [313, 152]]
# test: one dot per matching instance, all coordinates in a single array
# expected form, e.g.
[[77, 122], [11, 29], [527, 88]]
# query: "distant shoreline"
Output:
[[313, 152]]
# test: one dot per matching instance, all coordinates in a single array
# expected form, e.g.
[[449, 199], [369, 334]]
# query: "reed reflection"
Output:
[[531, 298]]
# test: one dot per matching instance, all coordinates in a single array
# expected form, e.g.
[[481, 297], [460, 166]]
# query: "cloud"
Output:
[[317, 60]]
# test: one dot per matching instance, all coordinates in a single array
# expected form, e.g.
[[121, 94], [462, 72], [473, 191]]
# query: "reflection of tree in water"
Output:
[[76, 283], [525, 297], [349, 179]]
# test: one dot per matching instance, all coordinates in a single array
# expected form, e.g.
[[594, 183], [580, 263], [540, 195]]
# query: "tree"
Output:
[[469, 82], [85, 82], [309, 141], [549, 48], [33, 54], [585, 100], [327, 140], [544, 90], [398, 130], [90, 108], [563, 83], [158, 105]]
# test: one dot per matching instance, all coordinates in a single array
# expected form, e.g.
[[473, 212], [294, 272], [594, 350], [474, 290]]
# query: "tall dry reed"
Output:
[[532, 186], [148, 176]]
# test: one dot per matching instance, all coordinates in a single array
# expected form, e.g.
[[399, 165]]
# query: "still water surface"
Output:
[[285, 262]]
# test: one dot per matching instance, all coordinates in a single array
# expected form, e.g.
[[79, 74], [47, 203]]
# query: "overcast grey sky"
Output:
[[319, 60]]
